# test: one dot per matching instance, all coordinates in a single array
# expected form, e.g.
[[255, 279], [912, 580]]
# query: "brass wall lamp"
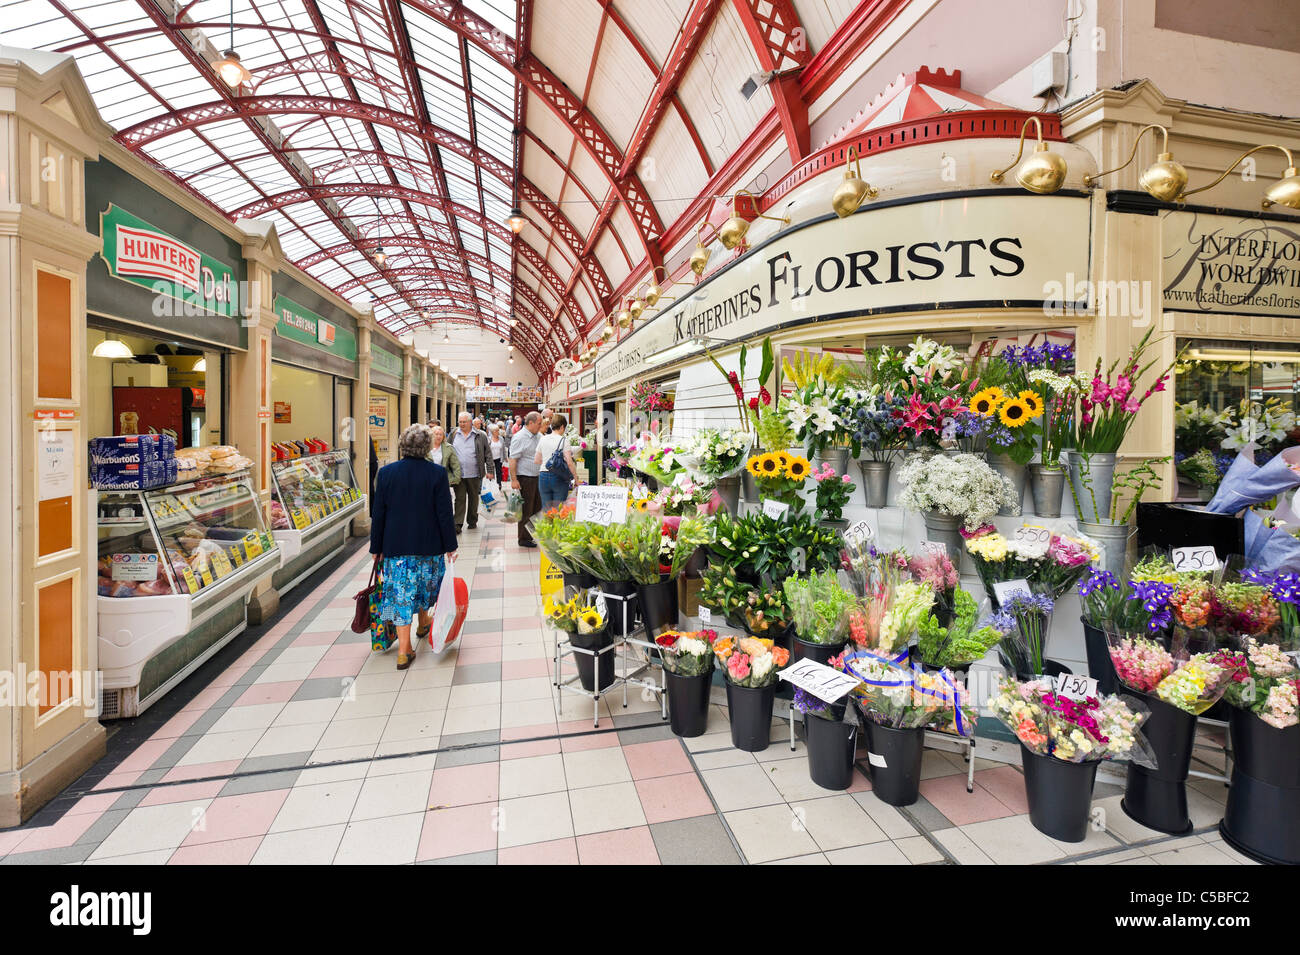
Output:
[[733, 231], [623, 317], [854, 190], [653, 293], [699, 259], [1284, 192], [1164, 179], [1043, 172]]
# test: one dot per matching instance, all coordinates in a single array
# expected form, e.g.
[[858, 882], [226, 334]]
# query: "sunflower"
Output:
[[798, 468], [641, 504], [986, 402], [1035, 402], [590, 618], [769, 465], [752, 465], [784, 457], [1014, 413]]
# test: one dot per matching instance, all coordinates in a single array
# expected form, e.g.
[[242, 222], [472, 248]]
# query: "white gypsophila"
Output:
[[1053, 380], [760, 667], [961, 485]]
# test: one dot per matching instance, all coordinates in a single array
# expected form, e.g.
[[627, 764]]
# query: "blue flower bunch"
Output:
[[1154, 597], [966, 424], [875, 426], [1051, 357], [805, 702], [1097, 580], [1029, 615]]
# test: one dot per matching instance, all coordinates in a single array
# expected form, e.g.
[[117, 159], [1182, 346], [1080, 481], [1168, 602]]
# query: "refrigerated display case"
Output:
[[176, 567], [314, 498]]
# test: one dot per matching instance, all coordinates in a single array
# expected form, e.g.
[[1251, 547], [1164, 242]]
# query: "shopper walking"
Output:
[[440, 452], [554, 485], [523, 473], [498, 446], [411, 533], [471, 446]]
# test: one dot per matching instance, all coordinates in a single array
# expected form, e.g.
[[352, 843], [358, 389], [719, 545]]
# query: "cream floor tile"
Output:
[[1203, 854], [337, 754], [362, 732], [472, 719], [474, 694], [879, 853], [815, 858], [837, 822], [533, 819], [1013, 841], [533, 688], [532, 776], [535, 712], [1119, 824], [389, 840], [767, 833], [393, 794], [741, 787], [791, 779], [157, 857], [221, 747], [300, 847], [722, 758], [919, 850], [428, 677], [328, 774], [423, 728], [302, 654], [257, 716], [379, 681], [285, 672], [359, 706], [306, 711], [601, 808], [318, 804], [150, 828], [892, 822], [421, 699], [961, 848], [302, 738], [596, 767], [401, 764]]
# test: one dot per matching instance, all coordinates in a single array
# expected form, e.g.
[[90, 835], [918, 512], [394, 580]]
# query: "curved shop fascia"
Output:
[[990, 250]]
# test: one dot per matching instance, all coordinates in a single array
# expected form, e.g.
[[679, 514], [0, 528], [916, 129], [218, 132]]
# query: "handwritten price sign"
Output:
[[602, 505], [823, 682], [1032, 540], [1072, 686], [1195, 558], [934, 547], [1003, 589], [859, 534], [774, 509]]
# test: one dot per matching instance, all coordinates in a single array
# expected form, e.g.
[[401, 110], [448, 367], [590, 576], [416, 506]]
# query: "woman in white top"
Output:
[[553, 488], [497, 446]]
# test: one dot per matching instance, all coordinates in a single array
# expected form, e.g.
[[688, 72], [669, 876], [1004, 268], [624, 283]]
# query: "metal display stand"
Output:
[[629, 676]]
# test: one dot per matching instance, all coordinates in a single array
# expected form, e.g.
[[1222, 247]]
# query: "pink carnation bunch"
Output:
[[1141, 663]]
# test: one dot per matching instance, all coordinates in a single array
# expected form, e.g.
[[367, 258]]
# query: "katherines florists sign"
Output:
[[1244, 266], [138, 252], [992, 251]]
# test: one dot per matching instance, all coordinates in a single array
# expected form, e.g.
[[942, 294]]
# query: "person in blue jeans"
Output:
[[553, 488]]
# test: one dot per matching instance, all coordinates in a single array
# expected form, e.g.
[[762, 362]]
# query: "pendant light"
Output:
[[112, 347], [232, 72], [1043, 172]]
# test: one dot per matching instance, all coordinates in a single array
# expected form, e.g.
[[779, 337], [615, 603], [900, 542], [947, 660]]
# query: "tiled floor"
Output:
[[305, 747]]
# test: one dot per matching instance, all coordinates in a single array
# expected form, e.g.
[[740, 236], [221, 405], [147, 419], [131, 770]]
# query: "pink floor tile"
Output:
[[457, 832], [660, 758], [578, 744], [94, 803], [575, 726], [60, 835], [117, 780], [202, 770], [665, 798], [524, 669], [618, 847], [234, 817], [1006, 785], [521, 625], [520, 591], [323, 639], [541, 747], [168, 794], [342, 603], [177, 725], [472, 640], [9, 841], [143, 756], [948, 795], [337, 668], [559, 852], [205, 698], [229, 852], [464, 785], [268, 693], [230, 676], [471, 655]]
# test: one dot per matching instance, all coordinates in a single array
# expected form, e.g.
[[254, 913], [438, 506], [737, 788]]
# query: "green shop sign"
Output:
[[385, 361], [300, 324], [138, 252]]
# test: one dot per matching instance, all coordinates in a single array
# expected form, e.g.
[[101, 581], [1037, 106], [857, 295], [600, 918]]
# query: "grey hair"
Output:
[[416, 442], [532, 416], [464, 414]]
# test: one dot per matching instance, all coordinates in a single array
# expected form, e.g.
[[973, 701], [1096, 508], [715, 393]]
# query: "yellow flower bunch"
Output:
[[640, 504], [1014, 411], [572, 614], [776, 465], [991, 547]]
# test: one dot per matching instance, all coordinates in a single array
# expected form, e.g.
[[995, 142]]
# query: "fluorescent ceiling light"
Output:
[[1259, 357]]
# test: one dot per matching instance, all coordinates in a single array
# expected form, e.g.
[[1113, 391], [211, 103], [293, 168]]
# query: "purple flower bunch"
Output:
[[1154, 596], [1283, 587], [805, 702], [1022, 602], [1097, 580], [1052, 357]]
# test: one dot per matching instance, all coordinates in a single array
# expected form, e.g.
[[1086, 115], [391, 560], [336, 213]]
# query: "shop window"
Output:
[[1228, 394]]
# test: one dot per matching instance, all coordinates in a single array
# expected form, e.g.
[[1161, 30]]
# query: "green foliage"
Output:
[[961, 642]]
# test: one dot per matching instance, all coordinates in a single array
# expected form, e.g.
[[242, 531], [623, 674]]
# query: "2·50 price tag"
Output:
[[1195, 558]]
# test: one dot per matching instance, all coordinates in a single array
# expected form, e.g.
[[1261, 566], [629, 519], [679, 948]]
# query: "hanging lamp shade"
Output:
[[112, 347]]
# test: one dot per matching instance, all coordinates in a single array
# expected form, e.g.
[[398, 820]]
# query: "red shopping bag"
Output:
[[449, 611], [462, 608]]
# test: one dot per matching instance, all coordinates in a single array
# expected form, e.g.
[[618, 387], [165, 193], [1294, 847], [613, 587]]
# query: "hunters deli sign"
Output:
[[137, 252]]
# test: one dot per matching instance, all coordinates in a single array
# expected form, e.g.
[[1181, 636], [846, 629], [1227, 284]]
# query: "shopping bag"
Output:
[[361, 615], [514, 512], [445, 627], [490, 494], [382, 632]]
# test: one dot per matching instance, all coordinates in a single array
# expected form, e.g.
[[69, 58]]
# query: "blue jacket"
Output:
[[412, 510]]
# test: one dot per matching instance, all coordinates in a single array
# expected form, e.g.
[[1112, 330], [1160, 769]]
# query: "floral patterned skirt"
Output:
[[407, 586]]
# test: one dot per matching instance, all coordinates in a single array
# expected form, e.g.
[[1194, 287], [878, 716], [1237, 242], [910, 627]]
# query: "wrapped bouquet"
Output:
[[1071, 730]]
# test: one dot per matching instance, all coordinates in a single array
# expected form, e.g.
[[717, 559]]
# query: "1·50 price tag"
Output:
[[1195, 558], [1073, 686]]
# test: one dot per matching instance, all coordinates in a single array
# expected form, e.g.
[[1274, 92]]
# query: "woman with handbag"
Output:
[[556, 463], [411, 532]]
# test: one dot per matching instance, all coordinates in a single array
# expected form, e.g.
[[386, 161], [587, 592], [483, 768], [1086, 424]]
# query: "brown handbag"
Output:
[[361, 616]]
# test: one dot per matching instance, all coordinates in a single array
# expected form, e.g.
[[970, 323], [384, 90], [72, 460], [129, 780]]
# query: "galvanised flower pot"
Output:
[[1047, 489], [1015, 473], [1114, 540], [875, 482], [729, 490], [945, 529], [837, 458], [1099, 470], [1059, 794]]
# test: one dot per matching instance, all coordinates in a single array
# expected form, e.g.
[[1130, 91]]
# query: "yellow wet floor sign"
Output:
[[552, 579]]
